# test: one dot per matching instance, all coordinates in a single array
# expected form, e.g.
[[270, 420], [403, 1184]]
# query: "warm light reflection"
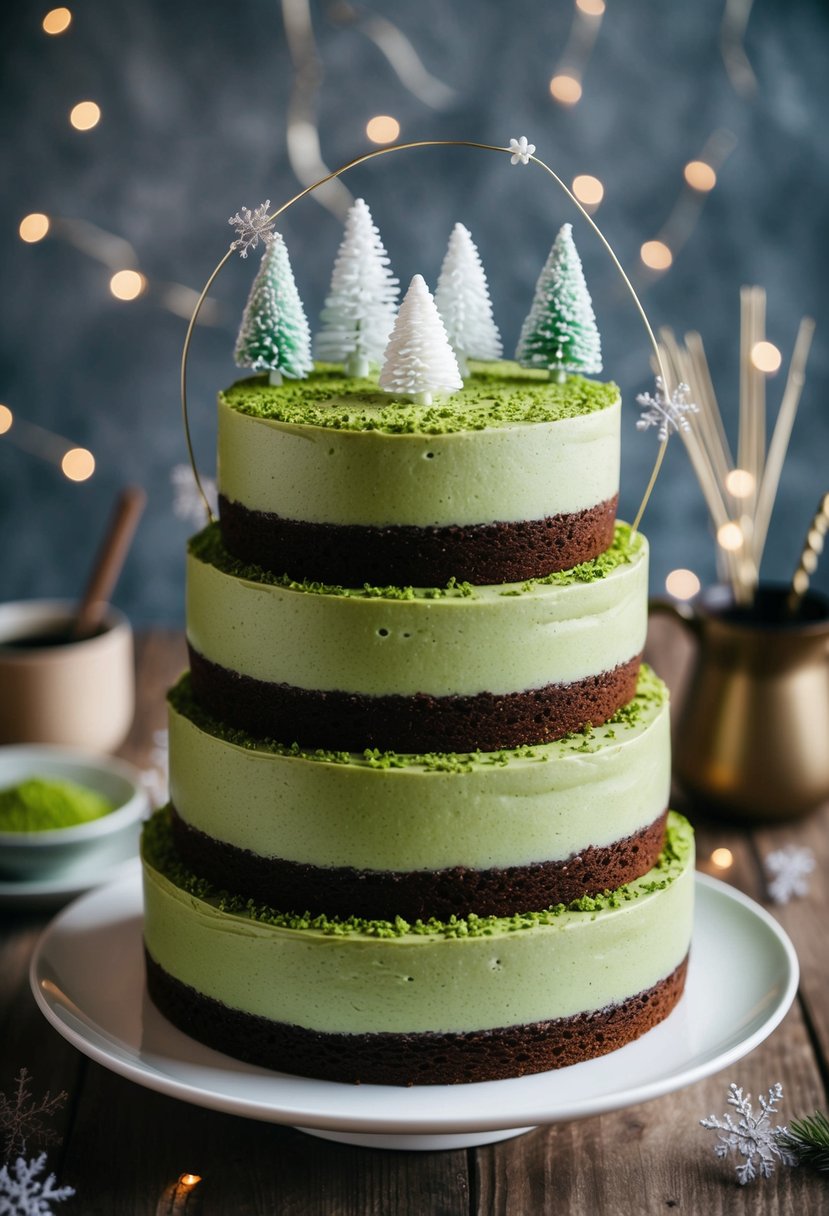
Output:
[[127, 284], [78, 464], [591, 8], [189, 1180], [588, 190], [85, 115], [740, 483], [565, 89], [722, 858], [382, 129], [56, 21], [6, 419], [700, 176], [766, 357], [33, 227], [730, 536], [656, 255], [682, 584]]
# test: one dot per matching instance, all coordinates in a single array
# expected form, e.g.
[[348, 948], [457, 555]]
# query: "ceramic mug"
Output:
[[752, 740], [53, 690]]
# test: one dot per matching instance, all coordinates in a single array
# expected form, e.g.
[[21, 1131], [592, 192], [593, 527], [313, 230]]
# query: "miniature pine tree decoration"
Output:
[[560, 331], [462, 299], [362, 300], [274, 335], [419, 360]]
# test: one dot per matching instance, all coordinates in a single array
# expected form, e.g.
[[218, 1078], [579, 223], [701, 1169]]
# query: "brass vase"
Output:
[[752, 740]]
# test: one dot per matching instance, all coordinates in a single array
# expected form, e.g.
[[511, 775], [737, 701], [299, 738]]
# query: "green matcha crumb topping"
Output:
[[41, 804], [496, 394], [650, 693], [158, 852], [206, 546]]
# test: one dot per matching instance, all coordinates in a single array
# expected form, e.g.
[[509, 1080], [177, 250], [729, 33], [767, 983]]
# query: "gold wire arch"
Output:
[[404, 147]]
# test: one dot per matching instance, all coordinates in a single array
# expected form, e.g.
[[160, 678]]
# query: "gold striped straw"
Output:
[[812, 549]]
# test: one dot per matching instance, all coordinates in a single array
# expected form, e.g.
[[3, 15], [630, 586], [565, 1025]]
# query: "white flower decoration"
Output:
[[252, 227], [521, 151]]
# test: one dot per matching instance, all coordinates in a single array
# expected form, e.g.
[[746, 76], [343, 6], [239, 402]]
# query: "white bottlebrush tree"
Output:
[[419, 359], [462, 298], [274, 335], [560, 332], [362, 300]]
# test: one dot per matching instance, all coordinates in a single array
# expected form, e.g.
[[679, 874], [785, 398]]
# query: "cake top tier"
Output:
[[495, 395]]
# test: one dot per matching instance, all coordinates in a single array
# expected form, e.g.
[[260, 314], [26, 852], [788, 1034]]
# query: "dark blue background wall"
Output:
[[195, 96]]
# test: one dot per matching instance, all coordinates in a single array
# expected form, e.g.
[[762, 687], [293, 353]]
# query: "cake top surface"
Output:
[[494, 395], [159, 853]]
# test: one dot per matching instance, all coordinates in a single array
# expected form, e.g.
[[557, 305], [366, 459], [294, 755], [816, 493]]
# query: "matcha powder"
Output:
[[40, 804]]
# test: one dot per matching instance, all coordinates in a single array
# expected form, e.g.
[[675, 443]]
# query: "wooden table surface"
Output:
[[123, 1147]]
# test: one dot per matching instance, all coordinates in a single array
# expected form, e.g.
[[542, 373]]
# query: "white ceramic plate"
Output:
[[87, 976]]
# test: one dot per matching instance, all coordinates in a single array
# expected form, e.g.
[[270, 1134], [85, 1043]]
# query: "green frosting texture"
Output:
[[365, 976], [459, 641], [388, 811], [495, 394], [510, 446]]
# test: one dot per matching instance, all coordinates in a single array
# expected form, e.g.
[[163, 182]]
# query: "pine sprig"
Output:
[[22, 1118], [808, 1139]]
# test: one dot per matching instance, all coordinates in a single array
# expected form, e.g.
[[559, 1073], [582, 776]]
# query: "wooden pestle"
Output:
[[111, 556]]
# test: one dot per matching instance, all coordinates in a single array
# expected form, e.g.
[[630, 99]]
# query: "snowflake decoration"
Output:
[[667, 414], [252, 227], [752, 1136], [24, 1193], [188, 503], [155, 779], [21, 1119], [521, 151], [788, 872]]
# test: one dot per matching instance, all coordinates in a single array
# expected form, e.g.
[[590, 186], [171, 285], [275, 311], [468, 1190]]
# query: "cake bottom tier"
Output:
[[413, 1059], [394, 1002]]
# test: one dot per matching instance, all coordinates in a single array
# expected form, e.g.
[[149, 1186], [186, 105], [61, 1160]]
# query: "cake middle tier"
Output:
[[382, 835], [416, 670]]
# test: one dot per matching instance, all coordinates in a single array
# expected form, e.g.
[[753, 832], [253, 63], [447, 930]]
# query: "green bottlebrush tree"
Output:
[[274, 334], [560, 332]]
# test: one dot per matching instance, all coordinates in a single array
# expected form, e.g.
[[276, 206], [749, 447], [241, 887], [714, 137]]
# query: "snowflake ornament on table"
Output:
[[666, 413], [752, 1137], [24, 1193], [788, 871], [521, 151], [252, 227]]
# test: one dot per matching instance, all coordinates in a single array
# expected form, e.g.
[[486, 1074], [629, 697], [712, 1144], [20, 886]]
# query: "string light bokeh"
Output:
[[109, 225]]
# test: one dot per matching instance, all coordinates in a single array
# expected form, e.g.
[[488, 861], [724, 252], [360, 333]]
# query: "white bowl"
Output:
[[27, 855]]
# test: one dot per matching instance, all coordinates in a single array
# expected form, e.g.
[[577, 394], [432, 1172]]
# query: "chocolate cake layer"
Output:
[[383, 895], [412, 1059], [351, 555], [421, 723]]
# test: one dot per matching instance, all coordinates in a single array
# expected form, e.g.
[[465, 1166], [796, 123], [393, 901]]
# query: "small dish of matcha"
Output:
[[62, 810]]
